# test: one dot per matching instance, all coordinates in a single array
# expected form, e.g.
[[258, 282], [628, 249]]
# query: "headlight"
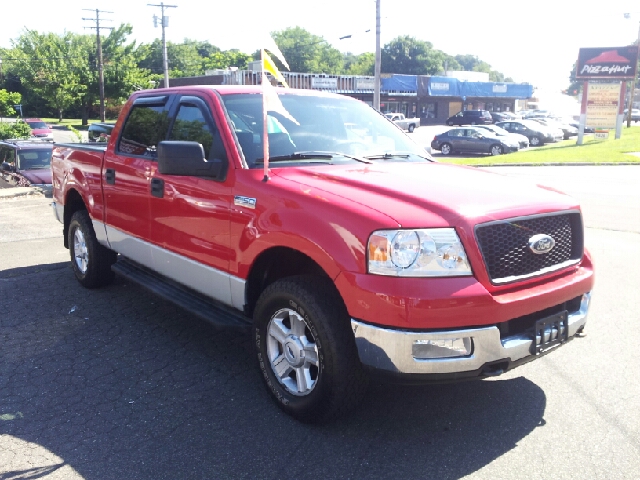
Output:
[[429, 252]]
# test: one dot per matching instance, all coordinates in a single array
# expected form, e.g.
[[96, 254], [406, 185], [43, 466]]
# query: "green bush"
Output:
[[18, 129]]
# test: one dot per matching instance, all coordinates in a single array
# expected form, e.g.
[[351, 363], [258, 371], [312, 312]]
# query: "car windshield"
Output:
[[35, 125], [34, 159], [317, 130]]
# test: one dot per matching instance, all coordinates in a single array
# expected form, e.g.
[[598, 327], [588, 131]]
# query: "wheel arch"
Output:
[[73, 203], [274, 264]]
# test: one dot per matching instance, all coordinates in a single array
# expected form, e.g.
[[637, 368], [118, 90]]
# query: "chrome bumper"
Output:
[[392, 350], [58, 211]]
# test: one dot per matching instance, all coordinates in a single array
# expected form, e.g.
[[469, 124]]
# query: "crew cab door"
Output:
[[190, 213], [126, 176]]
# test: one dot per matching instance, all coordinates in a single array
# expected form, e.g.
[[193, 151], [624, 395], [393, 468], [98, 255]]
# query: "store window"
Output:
[[429, 110]]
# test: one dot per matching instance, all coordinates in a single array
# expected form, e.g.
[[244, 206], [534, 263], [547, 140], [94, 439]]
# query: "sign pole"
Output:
[[620, 119], [583, 112]]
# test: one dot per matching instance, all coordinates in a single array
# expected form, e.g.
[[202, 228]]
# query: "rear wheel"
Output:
[[411, 128], [445, 149], [306, 349], [496, 150], [91, 261], [450, 123]]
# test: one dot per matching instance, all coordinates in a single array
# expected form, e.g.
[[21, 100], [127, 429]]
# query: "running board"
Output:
[[213, 312]]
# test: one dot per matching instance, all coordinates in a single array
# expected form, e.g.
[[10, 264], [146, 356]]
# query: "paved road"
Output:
[[118, 384]]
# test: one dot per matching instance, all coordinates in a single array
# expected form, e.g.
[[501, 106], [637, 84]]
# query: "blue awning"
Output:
[[399, 83]]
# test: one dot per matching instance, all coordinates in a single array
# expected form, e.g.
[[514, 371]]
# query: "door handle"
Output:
[[110, 176], [157, 187]]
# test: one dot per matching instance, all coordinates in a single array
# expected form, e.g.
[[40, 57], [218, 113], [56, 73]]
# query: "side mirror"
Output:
[[187, 159], [7, 167]]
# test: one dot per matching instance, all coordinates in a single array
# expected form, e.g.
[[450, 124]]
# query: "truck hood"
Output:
[[37, 177], [429, 194]]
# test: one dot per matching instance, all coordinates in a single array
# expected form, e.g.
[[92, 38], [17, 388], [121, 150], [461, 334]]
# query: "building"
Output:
[[432, 98]]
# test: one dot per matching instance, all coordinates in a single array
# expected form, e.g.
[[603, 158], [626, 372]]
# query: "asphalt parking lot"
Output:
[[118, 384]]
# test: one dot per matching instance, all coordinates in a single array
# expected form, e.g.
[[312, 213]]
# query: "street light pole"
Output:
[[376, 88]]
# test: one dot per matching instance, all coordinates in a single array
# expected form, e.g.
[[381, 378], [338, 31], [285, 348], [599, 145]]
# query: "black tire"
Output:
[[450, 123], [496, 150], [445, 149], [91, 262], [302, 326], [473, 122], [535, 142], [411, 128]]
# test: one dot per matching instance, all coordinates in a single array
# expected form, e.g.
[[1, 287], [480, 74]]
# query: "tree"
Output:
[[229, 58], [7, 101], [409, 56], [363, 64], [183, 58], [307, 53], [49, 64]]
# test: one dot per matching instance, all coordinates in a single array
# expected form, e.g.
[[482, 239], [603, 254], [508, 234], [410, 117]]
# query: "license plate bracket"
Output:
[[551, 331]]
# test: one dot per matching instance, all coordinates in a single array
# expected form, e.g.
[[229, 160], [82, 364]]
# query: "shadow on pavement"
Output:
[[121, 384]]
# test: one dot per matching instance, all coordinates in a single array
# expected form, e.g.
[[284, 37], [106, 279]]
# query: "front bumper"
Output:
[[391, 350]]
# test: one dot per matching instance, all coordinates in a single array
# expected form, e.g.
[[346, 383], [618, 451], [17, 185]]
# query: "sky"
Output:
[[535, 42]]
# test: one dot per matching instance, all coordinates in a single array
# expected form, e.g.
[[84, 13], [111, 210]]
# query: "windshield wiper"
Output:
[[393, 155], [311, 156], [386, 156]]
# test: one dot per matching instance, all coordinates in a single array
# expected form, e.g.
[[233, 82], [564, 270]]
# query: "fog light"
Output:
[[441, 348]]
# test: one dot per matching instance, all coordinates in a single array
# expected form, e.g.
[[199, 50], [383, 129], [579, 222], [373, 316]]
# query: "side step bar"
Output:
[[215, 313]]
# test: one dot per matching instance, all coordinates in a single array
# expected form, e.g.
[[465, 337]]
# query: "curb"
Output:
[[552, 164], [19, 192]]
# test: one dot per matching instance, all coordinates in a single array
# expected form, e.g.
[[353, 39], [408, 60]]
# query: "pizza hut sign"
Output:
[[612, 62]]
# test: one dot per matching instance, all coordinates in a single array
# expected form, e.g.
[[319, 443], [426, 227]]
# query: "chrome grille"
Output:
[[505, 245]]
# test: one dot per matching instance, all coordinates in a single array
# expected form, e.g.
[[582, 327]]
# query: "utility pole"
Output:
[[164, 23], [376, 87], [100, 63], [633, 82]]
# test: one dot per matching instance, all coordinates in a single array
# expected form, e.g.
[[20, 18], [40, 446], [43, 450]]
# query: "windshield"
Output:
[[35, 125], [326, 130], [34, 159]]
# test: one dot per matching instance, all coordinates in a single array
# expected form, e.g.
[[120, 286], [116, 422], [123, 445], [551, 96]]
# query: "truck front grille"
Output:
[[505, 245]]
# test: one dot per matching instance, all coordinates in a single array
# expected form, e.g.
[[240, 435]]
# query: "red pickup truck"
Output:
[[354, 255]]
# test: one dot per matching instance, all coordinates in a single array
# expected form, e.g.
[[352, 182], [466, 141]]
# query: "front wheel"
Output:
[[496, 150], [91, 261], [445, 149], [535, 141], [306, 349], [450, 123]]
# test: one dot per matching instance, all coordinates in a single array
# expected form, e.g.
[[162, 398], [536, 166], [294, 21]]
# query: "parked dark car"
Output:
[[523, 141], [472, 140], [100, 132], [499, 117], [470, 117], [25, 163], [537, 133]]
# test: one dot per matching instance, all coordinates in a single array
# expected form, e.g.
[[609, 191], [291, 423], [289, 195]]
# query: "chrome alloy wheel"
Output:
[[80, 251], [292, 352]]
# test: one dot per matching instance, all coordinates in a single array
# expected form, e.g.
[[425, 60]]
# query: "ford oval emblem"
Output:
[[541, 243]]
